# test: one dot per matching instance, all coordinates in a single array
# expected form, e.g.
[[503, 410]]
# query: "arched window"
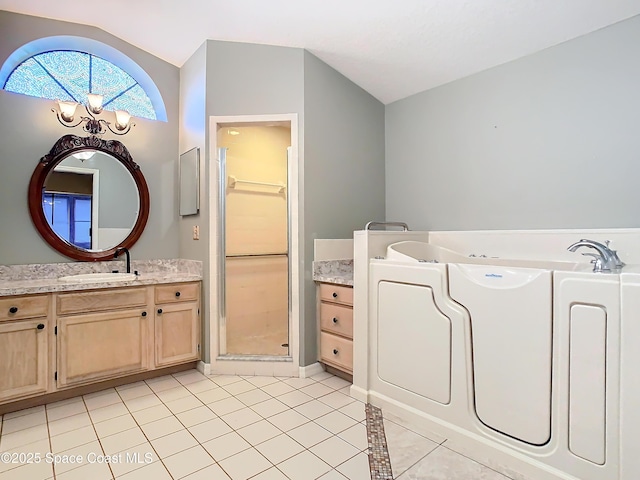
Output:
[[68, 68]]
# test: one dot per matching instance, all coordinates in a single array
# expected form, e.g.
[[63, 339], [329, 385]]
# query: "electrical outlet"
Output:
[[196, 232]]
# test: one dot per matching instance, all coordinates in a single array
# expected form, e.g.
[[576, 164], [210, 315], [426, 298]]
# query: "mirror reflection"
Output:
[[91, 201]]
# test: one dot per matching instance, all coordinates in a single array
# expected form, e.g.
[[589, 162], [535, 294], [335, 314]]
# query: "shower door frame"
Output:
[[251, 364]]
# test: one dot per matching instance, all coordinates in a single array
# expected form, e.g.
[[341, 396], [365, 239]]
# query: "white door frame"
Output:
[[254, 365]]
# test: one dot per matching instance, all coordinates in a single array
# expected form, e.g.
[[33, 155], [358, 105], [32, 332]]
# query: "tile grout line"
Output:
[[93, 425], [379, 461]]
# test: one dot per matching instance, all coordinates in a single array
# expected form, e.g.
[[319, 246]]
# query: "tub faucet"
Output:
[[606, 260], [126, 251]]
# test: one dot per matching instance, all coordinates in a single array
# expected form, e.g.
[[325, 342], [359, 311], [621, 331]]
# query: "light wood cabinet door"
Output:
[[23, 358], [177, 333], [102, 345]]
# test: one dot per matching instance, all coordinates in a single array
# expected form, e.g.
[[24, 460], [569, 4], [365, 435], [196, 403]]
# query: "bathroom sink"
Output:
[[98, 277]]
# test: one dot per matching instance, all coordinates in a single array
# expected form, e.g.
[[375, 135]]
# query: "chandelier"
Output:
[[92, 124]]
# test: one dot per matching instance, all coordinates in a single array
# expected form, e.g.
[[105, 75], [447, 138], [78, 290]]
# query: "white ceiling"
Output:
[[391, 48]]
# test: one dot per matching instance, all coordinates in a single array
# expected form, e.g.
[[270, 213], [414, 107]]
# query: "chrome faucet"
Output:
[[606, 260], [128, 259]]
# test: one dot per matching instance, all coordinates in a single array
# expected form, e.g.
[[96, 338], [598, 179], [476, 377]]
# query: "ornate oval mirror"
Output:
[[87, 197]]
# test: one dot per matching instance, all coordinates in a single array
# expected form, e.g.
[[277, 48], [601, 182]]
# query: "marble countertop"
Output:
[[339, 272], [43, 278]]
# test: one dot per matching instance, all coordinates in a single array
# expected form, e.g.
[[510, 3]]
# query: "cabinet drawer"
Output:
[[336, 319], [336, 293], [15, 308], [94, 301], [179, 292], [336, 351]]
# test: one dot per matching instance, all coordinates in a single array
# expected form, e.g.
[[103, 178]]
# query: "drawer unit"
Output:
[[335, 311], [97, 300], [29, 306], [336, 351], [178, 292]]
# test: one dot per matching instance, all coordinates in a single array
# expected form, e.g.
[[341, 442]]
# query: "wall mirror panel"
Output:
[[87, 197]]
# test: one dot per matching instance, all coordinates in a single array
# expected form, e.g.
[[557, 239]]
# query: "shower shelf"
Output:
[[233, 181]]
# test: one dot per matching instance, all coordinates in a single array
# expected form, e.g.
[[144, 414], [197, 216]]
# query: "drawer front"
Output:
[[336, 319], [336, 293], [94, 301], [336, 351], [178, 292], [30, 306]]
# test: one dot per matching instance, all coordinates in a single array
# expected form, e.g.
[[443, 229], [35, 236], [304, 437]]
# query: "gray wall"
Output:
[[547, 141], [32, 129], [343, 170]]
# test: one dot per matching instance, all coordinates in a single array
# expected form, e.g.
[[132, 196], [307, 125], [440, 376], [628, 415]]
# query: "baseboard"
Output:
[[311, 370], [359, 394], [204, 368]]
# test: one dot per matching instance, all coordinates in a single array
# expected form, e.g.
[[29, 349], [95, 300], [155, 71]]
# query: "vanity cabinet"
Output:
[[24, 346], [177, 323], [336, 326], [102, 334]]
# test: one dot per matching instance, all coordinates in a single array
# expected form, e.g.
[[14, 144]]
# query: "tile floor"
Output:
[[223, 427]]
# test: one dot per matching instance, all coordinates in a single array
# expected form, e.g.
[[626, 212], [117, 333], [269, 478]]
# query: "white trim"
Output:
[[204, 368], [289, 367], [311, 370], [95, 198]]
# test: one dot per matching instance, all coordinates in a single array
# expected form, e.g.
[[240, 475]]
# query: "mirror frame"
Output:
[[68, 145]]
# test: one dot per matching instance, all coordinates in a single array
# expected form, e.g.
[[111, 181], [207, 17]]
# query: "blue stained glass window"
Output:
[[70, 75]]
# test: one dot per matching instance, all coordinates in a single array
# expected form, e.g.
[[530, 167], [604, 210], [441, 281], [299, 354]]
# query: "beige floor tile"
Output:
[[336, 400], [335, 382], [183, 404], [173, 443], [318, 377], [151, 414], [288, 420], [25, 421], [335, 421], [253, 396], [56, 412], [241, 418], [309, 434], [114, 425], [335, 475], [245, 464], [139, 390], [317, 389], [107, 413], [304, 466], [226, 446], [189, 376], [272, 474], [74, 438], [260, 381], [209, 430], [358, 467], [212, 472], [128, 386], [212, 395], [32, 471], [201, 386], [173, 394], [334, 451], [153, 471], [133, 458], [41, 447], [76, 457], [239, 387], [276, 389], [93, 471], [222, 380], [69, 423], [142, 403], [405, 447], [313, 409], [299, 383], [354, 410], [356, 436], [259, 432], [23, 437], [228, 405], [279, 448], [419, 429], [161, 427], [295, 398], [444, 464], [102, 398], [19, 413], [269, 408], [195, 416], [163, 383], [188, 461], [122, 441]]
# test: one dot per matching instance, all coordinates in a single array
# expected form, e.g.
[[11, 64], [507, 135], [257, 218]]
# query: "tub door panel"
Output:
[[414, 341], [587, 393]]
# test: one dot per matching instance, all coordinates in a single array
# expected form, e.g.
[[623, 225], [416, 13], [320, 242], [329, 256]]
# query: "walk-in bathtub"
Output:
[[513, 360]]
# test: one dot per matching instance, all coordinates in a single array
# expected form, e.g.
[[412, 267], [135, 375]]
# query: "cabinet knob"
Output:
[[13, 310], [144, 314], [335, 351], [335, 320], [159, 310], [40, 326], [177, 294], [335, 295]]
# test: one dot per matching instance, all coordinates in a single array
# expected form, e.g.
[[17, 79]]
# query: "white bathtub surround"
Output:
[[532, 394]]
